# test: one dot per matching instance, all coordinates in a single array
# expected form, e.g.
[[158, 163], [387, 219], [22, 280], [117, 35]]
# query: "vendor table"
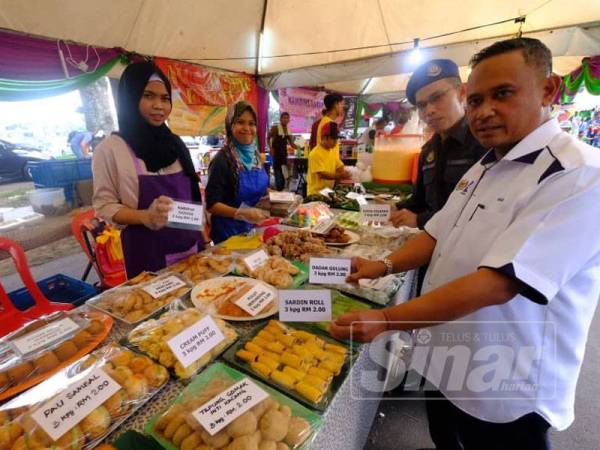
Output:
[[347, 420]]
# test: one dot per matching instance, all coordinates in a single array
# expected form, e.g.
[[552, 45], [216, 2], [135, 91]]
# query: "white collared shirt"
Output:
[[535, 216]]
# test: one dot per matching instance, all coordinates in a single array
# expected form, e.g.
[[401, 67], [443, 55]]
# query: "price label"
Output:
[[361, 200], [376, 213], [164, 286], [224, 408], [323, 226], [325, 192], [194, 342], [255, 260], [282, 197], [256, 299], [305, 305], [64, 411], [329, 270], [188, 214], [45, 336]]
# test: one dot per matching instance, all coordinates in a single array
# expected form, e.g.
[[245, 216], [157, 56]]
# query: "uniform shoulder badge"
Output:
[[430, 157]]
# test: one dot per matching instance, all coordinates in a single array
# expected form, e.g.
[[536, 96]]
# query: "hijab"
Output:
[[247, 154], [157, 146]]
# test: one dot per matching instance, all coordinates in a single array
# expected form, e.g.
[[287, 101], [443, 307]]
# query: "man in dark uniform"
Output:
[[437, 92], [279, 139]]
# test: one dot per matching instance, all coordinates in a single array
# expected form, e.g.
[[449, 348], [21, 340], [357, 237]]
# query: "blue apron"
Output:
[[253, 185]]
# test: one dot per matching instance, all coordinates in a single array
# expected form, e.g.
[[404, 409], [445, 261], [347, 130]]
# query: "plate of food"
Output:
[[339, 237], [218, 298]]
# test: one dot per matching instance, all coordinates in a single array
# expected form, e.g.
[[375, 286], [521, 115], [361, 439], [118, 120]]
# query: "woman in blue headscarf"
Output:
[[237, 179]]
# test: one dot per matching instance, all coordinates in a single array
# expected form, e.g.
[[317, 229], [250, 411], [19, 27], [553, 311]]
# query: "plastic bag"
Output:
[[134, 304], [42, 347], [79, 406], [152, 336], [277, 422], [387, 236], [308, 214]]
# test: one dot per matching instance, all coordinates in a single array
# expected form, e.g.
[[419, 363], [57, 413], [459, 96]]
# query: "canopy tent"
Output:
[[352, 46]]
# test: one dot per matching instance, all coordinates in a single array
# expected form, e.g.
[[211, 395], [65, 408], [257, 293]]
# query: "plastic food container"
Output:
[[152, 338], [43, 346], [275, 422], [49, 201], [79, 406], [137, 303], [306, 366]]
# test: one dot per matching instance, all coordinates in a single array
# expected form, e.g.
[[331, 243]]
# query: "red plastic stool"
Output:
[[42, 305]]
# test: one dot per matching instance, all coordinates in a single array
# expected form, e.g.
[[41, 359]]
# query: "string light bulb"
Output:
[[415, 54]]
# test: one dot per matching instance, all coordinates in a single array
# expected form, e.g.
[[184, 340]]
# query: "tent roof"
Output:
[[316, 35]]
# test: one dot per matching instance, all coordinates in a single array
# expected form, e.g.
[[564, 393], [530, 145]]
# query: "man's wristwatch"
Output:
[[389, 266]]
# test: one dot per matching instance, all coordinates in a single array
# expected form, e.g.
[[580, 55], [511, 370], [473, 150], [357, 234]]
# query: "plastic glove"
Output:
[[157, 214], [251, 215]]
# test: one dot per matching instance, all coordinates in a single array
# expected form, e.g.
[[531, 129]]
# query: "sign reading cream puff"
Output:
[[73, 404], [195, 341]]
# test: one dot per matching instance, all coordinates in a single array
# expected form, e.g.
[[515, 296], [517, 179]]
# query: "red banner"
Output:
[[201, 96]]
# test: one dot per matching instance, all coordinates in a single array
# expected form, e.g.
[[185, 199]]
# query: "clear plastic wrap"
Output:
[[276, 271], [276, 423], [45, 345], [152, 337], [307, 366], [296, 245], [380, 291], [387, 236], [134, 304], [308, 214], [79, 406], [203, 266]]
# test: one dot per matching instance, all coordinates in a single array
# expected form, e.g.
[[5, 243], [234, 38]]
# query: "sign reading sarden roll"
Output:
[[305, 305]]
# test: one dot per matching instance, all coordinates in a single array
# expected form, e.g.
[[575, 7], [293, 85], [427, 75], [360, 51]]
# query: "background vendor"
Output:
[[236, 177], [324, 164], [279, 139], [138, 172]]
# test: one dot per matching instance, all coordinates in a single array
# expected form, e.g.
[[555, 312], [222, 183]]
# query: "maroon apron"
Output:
[[152, 250]]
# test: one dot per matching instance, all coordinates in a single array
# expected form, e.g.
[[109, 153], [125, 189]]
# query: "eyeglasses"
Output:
[[433, 99]]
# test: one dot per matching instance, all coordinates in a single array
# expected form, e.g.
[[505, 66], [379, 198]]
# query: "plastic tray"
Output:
[[334, 386], [220, 370], [106, 321], [121, 291]]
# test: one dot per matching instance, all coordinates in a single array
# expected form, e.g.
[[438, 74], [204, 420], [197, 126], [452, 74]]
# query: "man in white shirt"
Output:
[[514, 254]]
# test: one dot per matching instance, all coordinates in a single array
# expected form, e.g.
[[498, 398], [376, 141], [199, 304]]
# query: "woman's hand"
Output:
[[157, 214], [364, 268], [251, 215]]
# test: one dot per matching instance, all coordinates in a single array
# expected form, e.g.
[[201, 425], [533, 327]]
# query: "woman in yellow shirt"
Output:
[[324, 163]]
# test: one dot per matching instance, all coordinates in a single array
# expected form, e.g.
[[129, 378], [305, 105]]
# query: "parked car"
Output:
[[14, 159]]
